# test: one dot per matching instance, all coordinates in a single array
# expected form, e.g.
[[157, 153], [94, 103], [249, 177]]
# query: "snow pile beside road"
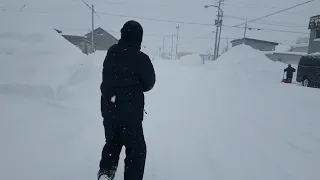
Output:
[[247, 64], [31, 52], [193, 59]]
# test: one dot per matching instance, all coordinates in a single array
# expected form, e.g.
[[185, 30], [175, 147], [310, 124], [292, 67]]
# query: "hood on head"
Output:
[[132, 33]]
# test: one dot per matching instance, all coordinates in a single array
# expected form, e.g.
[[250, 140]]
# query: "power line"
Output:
[[87, 5], [154, 19], [245, 5], [276, 30], [136, 4], [181, 37], [173, 21], [153, 35], [264, 29], [271, 23], [258, 6], [283, 25], [195, 23], [97, 15], [277, 12], [104, 23]]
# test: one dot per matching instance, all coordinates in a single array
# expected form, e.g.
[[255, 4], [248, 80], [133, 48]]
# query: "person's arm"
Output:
[[146, 73], [106, 71]]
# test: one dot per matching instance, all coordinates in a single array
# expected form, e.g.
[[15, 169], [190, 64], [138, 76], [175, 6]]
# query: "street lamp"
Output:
[[219, 23], [207, 6]]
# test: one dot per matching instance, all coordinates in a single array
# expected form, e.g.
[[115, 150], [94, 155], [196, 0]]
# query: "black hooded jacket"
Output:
[[127, 74], [290, 70]]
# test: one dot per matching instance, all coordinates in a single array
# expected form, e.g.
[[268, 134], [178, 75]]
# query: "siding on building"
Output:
[[102, 39], [314, 43], [314, 40], [81, 42], [299, 49], [256, 44], [285, 57]]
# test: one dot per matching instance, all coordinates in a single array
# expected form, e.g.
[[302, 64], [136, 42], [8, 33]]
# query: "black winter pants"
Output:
[[289, 80], [131, 136]]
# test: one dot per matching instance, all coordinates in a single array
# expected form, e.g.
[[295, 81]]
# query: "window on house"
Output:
[[317, 34], [100, 33]]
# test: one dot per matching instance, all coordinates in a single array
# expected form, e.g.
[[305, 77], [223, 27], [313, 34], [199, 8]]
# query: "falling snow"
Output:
[[113, 99], [228, 119]]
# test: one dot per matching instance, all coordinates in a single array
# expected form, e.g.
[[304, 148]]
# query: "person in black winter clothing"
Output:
[[290, 70], [127, 74]]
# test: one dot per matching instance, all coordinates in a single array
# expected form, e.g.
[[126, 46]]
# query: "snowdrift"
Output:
[[232, 119], [32, 52], [193, 59], [249, 65], [39, 70], [36, 61]]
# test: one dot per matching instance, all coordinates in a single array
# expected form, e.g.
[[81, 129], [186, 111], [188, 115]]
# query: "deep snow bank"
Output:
[[188, 60], [36, 61], [32, 52], [42, 125], [247, 64], [210, 123]]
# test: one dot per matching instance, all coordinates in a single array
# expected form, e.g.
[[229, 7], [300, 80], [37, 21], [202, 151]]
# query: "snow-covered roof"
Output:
[[286, 52], [315, 54], [74, 32], [302, 40], [300, 45], [256, 40]]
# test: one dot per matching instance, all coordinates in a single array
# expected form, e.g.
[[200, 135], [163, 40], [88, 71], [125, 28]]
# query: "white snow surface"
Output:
[[287, 52], [32, 53], [228, 119]]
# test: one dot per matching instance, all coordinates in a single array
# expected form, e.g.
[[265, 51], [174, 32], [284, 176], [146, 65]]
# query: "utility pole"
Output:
[[245, 31], [172, 47], [220, 17], [163, 44], [227, 44], [212, 55], [92, 28], [215, 43], [177, 41]]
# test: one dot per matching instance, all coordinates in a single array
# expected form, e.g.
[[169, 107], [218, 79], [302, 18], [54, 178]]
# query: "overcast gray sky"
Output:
[[73, 16]]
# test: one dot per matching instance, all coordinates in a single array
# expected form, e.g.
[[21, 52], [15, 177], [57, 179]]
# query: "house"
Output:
[[102, 39], [286, 57], [256, 44], [292, 55], [314, 40], [81, 42], [58, 31], [302, 45]]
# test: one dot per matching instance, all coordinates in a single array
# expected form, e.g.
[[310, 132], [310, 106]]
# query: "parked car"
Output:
[[309, 71]]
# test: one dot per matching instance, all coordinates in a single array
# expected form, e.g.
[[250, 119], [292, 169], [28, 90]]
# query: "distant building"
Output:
[[58, 31], [302, 45], [256, 44], [286, 57], [102, 39], [292, 55], [314, 40], [81, 42]]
